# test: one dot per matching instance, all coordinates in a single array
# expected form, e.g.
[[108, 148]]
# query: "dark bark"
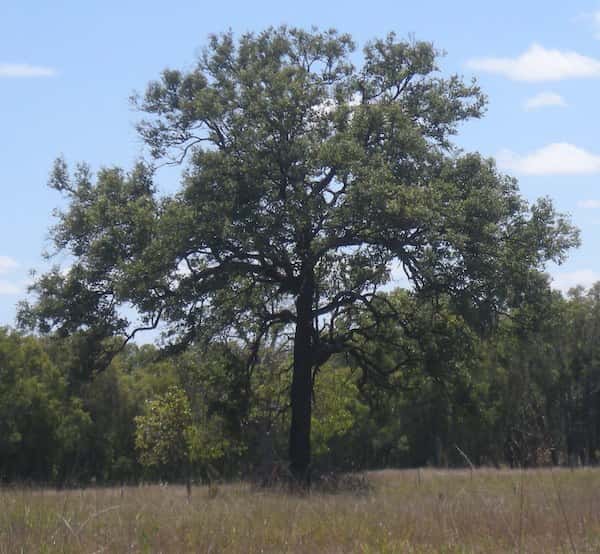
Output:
[[301, 393]]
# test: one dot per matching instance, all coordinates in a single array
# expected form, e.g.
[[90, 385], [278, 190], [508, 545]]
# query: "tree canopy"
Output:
[[309, 178]]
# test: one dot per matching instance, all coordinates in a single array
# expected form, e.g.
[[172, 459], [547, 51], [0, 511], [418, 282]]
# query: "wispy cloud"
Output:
[[559, 158], [23, 70], [540, 64], [7, 288], [543, 100], [589, 204], [7, 264], [564, 281], [593, 19]]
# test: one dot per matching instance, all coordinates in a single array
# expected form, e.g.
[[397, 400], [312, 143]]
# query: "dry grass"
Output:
[[407, 511]]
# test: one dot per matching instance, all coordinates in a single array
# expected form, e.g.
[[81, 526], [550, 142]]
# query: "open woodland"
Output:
[[289, 359], [524, 395]]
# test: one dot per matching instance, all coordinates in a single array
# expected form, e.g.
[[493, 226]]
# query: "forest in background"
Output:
[[523, 391]]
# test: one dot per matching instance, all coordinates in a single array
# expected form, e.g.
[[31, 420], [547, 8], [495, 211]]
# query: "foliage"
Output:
[[307, 180], [163, 431], [168, 438], [41, 427], [337, 407], [523, 394]]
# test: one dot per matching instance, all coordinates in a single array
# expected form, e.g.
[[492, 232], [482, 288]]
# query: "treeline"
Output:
[[523, 389]]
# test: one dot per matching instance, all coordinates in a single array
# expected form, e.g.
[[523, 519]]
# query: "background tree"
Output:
[[308, 180], [164, 432], [172, 441], [41, 426], [524, 393]]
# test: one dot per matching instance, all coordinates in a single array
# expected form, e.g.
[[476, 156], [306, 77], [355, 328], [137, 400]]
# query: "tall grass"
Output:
[[405, 511]]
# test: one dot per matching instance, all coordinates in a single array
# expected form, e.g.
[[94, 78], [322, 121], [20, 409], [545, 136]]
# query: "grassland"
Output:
[[404, 511]]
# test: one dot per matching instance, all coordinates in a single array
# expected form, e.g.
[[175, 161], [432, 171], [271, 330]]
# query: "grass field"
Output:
[[404, 511]]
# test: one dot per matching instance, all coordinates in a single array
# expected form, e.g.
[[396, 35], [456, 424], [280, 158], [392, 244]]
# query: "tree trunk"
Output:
[[301, 394]]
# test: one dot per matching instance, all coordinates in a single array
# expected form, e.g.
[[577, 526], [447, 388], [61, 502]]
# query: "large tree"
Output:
[[311, 174]]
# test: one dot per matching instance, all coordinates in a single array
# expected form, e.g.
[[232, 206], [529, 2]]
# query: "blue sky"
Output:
[[67, 69]]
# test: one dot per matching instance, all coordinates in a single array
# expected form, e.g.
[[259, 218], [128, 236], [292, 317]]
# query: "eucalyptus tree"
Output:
[[311, 174]]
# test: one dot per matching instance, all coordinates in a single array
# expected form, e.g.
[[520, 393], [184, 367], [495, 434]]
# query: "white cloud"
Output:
[[8, 288], [540, 64], [17, 70], [589, 204], [7, 264], [567, 280], [544, 99], [559, 158]]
